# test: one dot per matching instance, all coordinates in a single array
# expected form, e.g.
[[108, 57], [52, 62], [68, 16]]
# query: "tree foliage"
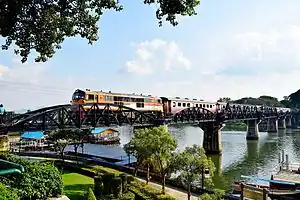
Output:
[[39, 181], [139, 147], [294, 99], [61, 138], [42, 25], [191, 164], [162, 144]]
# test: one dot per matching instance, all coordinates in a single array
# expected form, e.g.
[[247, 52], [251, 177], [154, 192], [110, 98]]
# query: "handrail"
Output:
[[14, 168]]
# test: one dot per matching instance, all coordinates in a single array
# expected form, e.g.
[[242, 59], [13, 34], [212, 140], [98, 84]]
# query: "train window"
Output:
[[203, 105], [174, 104], [91, 97], [179, 104], [158, 100], [210, 106], [196, 105], [200, 105], [139, 105], [188, 104], [183, 104]]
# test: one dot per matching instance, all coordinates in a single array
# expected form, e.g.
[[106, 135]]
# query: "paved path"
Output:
[[174, 192]]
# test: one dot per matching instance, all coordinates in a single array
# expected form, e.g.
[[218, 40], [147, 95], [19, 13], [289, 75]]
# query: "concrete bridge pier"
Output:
[[212, 137], [272, 126], [288, 122], [252, 129], [281, 123]]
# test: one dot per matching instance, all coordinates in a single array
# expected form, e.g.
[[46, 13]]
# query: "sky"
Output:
[[230, 49]]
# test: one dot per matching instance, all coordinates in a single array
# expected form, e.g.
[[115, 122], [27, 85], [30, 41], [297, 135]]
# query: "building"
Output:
[[104, 136]]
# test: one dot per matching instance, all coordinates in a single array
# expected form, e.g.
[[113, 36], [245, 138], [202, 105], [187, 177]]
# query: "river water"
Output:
[[239, 157]]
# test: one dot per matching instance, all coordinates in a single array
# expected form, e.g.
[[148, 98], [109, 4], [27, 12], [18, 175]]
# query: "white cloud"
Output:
[[157, 54]]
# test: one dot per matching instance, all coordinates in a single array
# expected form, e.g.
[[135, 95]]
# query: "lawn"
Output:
[[76, 185]]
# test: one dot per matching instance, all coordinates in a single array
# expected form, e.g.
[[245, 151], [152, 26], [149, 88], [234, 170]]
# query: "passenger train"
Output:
[[148, 103]]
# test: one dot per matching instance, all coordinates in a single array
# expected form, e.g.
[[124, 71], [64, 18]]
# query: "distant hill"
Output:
[[262, 100]]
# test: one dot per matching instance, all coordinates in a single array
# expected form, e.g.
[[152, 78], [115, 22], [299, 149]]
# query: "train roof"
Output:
[[188, 99], [121, 94]]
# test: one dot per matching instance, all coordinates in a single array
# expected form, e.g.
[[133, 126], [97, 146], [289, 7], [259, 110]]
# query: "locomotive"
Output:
[[149, 103]]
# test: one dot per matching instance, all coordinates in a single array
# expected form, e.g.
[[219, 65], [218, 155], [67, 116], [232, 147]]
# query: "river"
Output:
[[239, 157]]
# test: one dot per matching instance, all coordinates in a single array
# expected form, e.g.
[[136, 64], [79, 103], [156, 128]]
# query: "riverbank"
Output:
[[235, 126]]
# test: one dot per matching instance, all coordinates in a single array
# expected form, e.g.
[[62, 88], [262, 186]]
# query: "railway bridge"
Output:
[[103, 114]]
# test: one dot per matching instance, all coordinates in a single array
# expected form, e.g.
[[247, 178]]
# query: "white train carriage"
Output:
[[177, 104]]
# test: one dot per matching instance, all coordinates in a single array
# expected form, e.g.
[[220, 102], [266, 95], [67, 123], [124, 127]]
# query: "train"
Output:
[[149, 103]]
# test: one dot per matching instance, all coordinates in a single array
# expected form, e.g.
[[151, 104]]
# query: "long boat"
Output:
[[275, 188]]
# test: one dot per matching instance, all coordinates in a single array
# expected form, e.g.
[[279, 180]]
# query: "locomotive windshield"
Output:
[[78, 94]]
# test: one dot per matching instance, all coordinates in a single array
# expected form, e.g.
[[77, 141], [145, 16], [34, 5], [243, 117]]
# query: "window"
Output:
[[174, 104], [210, 106], [91, 97], [139, 105], [158, 101], [188, 104], [203, 105], [200, 105], [196, 105], [183, 104], [78, 95], [179, 104]]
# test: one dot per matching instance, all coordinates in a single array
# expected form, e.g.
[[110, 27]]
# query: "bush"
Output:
[[130, 179], [39, 181], [8, 193], [98, 186], [124, 182], [91, 195], [116, 187], [107, 178], [127, 196]]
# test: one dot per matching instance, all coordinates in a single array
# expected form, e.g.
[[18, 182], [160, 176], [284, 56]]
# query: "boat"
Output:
[[104, 136], [275, 188]]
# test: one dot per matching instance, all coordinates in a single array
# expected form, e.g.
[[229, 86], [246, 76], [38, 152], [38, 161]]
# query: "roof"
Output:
[[99, 130], [33, 135]]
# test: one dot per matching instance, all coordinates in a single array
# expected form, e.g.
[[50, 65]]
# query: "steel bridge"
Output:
[[103, 114]]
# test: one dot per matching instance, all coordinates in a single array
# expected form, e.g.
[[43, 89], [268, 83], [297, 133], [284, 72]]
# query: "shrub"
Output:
[[8, 193], [127, 196], [124, 182], [116, 187], [98, 186], [107, 178], [130, 179], [39, 181], [91, 195]]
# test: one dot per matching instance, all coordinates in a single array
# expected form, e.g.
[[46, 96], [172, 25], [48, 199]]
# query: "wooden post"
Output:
[[265, 194], [287, 161]]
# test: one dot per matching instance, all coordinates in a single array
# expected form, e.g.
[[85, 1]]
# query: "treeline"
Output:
[[291, 101]]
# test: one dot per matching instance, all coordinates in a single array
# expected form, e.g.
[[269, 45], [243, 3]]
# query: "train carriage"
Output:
[[151, 104]]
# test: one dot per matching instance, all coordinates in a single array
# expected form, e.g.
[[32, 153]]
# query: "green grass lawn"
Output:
[[76, 185]]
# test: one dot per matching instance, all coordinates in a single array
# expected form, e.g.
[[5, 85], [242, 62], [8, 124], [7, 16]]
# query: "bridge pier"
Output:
[[252, 129], [272, 126], [289, 122], [212, 137], [281, 123]]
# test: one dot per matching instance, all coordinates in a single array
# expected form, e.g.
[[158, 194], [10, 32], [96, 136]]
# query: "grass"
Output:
[[76, 185]]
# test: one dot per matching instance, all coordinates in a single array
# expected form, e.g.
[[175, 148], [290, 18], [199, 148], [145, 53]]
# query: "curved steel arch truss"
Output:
[[193, 114], [85, 115]]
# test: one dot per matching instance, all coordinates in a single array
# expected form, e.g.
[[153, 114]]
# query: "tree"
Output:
[[42, 25], [7, 193], [162, 144], [224, 99], [76, 136], [294, 99], [191, 164], [140, 149]]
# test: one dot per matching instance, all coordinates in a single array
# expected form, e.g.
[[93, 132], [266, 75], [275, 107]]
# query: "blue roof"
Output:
[[99, 130], [33, 135]]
